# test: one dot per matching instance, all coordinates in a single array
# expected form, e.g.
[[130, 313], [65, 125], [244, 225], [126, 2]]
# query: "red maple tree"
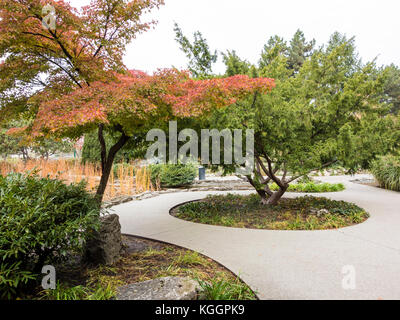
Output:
[[72, 79]]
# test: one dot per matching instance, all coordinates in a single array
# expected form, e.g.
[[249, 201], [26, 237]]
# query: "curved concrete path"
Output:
[[290, 264]]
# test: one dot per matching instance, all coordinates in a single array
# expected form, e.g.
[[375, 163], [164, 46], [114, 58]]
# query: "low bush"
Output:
[[386, 171], [312, 187], [173, 175], [41, 221]]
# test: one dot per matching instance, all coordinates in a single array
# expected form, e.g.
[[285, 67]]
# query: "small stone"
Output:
[[322, 212], [147, 196], [168, 288]]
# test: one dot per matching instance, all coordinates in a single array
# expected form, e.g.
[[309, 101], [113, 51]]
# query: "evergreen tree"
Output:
[[392, 88], [201, 59], [235, 65], [299, 51]]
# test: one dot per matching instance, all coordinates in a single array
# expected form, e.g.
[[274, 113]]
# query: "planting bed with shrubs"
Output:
[[46, 222], [303, 213]]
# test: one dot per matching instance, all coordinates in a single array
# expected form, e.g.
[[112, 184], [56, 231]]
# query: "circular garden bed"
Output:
[[246, 211]]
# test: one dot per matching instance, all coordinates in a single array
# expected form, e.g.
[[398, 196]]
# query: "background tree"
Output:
[[299, 50], [275, 47], [9, 145], [201, 59], [235, 65], [328, 107], [19, 144], [45, 148], [330, 111], [392, 88]]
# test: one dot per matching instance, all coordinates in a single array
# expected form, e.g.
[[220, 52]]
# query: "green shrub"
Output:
[[173, 175], [386, 171], [312, 187], [41, 221]]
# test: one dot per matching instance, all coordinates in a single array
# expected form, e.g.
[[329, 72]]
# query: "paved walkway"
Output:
[[290, 264]]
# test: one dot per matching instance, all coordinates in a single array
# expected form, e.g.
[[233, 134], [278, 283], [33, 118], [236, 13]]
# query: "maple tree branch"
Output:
[[61, 67], [37, 34], [254, 100], [70, 58], [116, 147], [109, 13]]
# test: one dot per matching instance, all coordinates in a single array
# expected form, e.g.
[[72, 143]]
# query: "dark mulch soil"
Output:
[[135, 245]]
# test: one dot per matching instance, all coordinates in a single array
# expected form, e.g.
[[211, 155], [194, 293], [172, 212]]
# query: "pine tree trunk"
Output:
[[275, 197], [263, 195]]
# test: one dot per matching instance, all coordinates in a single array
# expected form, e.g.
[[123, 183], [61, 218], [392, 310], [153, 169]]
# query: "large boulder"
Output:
[[168, 288], [105, 247]]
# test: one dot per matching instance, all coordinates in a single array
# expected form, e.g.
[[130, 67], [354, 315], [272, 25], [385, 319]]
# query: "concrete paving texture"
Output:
[[357, 262]]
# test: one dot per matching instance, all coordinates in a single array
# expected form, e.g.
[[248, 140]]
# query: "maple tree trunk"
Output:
[[105, 175], [107, 161]]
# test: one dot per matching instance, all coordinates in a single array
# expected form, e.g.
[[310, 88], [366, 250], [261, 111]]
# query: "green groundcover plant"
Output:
[[41, 221]]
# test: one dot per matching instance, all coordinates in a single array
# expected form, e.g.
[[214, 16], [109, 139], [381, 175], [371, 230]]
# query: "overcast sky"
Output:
[[245, 26]]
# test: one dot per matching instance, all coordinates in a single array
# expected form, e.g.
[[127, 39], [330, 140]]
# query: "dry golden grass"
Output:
[[124, 182]]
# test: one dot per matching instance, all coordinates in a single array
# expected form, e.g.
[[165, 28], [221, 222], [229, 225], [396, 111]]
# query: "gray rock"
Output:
[[105, 247], [169, 288], [318, 212], [135, 245], [322, 212]]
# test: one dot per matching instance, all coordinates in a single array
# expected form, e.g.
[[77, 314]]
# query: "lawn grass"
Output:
[[301, 213]]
